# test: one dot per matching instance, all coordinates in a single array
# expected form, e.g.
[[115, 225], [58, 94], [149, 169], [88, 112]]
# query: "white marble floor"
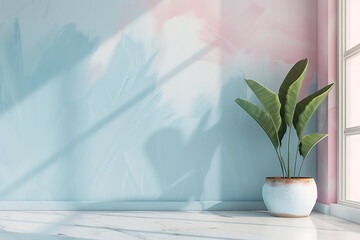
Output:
[[228, 225]]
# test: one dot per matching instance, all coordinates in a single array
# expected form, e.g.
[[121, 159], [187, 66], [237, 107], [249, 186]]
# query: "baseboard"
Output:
[[322, 208], [345, 212], [339, 210], [132, 205]]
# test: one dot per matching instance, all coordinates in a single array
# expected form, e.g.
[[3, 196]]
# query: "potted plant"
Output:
[[290, 195]]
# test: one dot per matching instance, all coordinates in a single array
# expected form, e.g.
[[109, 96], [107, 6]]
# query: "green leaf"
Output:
[[269, 99], [307, 107], [290, 89], [307, 142], [261, 117]]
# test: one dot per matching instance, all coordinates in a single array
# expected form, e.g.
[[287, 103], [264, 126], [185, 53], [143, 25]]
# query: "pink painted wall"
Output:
[[327, 120]]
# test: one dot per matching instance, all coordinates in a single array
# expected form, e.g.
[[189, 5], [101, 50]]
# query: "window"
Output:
[[349, 102]]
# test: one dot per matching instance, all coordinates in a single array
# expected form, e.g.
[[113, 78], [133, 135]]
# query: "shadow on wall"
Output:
[[181, 166], [67, 49], [180, 163], [60, 54], [103, 128], [136, 90]]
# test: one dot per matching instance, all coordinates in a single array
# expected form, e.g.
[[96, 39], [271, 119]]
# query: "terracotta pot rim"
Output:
[[289, 179], [274, 180]]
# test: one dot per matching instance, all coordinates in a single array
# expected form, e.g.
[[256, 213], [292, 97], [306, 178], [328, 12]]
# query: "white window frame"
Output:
[[342, 130]]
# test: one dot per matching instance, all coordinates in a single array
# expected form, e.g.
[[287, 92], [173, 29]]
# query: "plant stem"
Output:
[[281, 165], [282, 160], [289, 153], [297, 151], [301, 167]]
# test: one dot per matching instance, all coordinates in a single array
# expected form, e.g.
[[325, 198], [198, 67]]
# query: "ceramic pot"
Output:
[[294, 197]]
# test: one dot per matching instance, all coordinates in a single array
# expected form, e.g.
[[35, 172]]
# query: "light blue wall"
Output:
[[75, 127]]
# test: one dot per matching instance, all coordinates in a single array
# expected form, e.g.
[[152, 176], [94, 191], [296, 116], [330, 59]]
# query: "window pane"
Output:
[[352, 95], [353, 167], [352, 23]]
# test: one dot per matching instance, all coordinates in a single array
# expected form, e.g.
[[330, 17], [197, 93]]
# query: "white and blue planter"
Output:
[[294, 197]]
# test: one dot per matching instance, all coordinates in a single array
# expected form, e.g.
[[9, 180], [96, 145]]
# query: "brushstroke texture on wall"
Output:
[[134, 100]]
